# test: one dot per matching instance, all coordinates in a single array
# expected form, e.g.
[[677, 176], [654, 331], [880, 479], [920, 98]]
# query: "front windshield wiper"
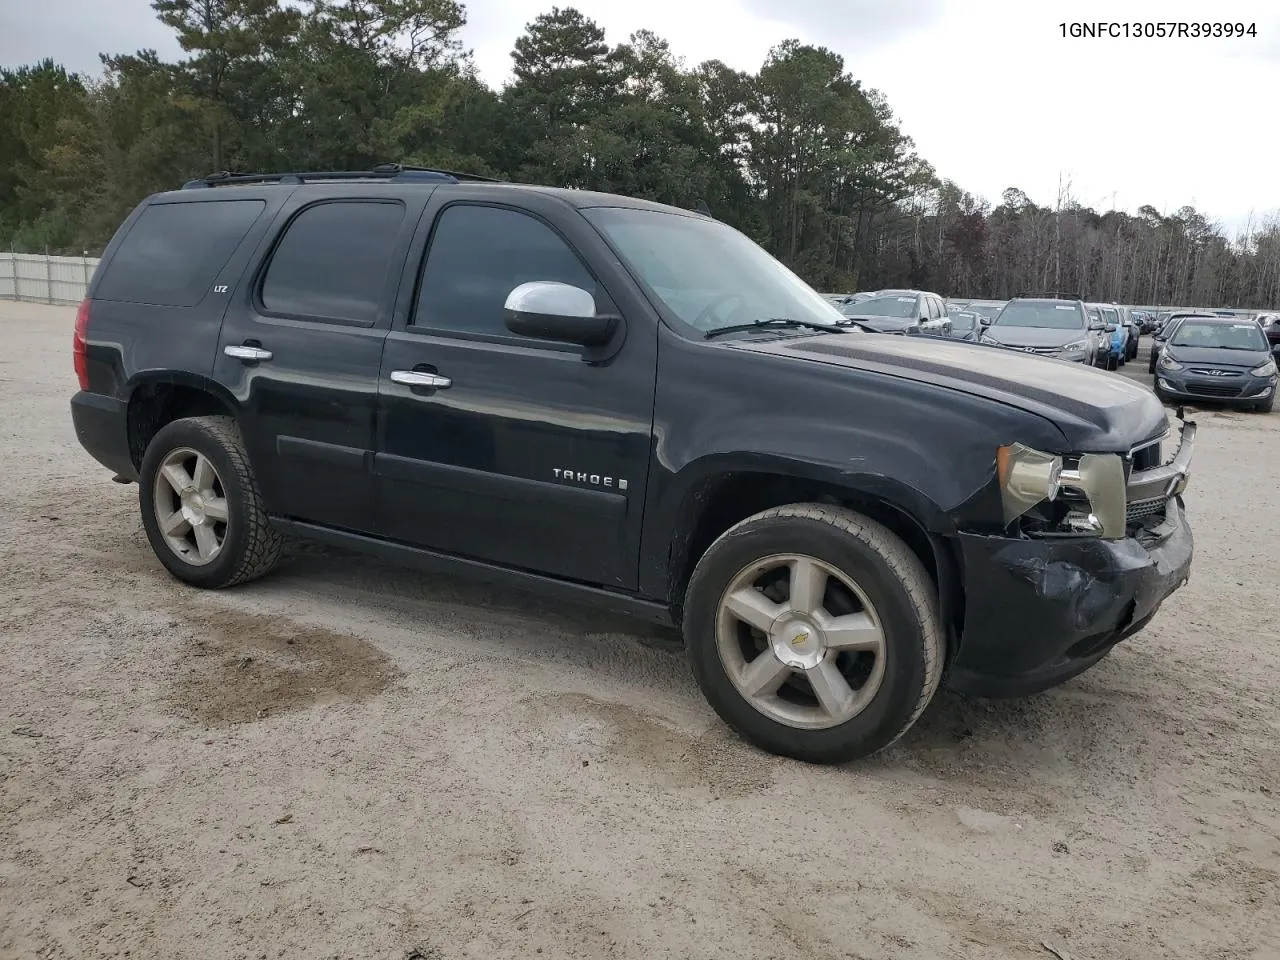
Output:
[[765, 322]]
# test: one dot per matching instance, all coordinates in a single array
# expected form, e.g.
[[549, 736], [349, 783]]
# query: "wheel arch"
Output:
[[159, 397], [720, 498]]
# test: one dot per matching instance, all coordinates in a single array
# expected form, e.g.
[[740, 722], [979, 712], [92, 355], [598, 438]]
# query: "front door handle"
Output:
[[418, 378], [248, 352]]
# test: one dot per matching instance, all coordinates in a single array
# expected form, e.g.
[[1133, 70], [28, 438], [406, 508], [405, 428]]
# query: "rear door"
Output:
[[301, 346], [529, 454]]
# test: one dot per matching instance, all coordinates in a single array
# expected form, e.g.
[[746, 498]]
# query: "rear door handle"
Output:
[[417, 378], [248, 353]]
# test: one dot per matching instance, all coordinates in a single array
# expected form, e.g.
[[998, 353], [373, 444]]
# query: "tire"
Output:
[[1267, 405], [1151, 363], [1112, 362], [247, 545], [888, 687]]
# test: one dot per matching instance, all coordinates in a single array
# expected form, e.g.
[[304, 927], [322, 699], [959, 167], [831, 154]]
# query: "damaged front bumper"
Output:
[[1040, 610]]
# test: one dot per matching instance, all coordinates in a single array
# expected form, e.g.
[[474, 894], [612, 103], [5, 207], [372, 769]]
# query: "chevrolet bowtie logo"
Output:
[[800, 638]]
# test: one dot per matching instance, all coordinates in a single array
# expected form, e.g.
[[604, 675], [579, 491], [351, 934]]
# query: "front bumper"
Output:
[[1184, 384], [1039, 612]]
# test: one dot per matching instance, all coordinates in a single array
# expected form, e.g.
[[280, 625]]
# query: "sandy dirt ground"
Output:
[[349, 760]]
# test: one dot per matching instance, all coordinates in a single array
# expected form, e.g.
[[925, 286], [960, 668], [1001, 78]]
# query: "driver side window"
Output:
[[477, 256]]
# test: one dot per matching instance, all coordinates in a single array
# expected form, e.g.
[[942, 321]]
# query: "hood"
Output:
[[1096, 411], [881, 324], [1218, 357], [1035, 336]]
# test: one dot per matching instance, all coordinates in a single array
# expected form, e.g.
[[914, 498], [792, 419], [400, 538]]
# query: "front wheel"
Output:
[[200, 504], [1112, 362], [1267, 405], [814, 632]]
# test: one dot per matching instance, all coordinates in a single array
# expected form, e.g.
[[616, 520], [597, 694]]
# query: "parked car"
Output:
[[1133, 334], [966, 326], [1119, 339], [902, 311], [1056, 328], [1270, 323], [613, 401], [1218, 358], [985, 308], [1113, 356], [1166, 330]]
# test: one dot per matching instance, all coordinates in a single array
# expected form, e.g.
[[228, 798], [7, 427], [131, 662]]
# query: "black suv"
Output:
[[613, 400]]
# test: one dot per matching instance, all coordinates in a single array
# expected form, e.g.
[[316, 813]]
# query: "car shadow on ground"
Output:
[[1080, 723]]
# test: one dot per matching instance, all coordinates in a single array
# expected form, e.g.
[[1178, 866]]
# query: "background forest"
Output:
[[799, 154]]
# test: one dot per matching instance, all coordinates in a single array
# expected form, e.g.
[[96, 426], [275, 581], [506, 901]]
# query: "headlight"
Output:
[[1092, 489], [1168, 363], [1077, 346], [1027, 477], [1100, 477], [1268, 369]]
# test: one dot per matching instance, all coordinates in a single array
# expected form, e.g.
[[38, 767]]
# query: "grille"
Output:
[[1148, 457], [1140, 510], [1215, 372], [1214, 389]]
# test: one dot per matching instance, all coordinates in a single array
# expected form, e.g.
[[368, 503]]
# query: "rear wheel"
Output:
[[814, 632], [200, 504]]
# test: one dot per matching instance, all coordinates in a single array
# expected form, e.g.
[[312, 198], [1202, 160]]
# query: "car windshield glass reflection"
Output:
[[902, 308], [1056, 316], [1223, 336], [708, 274]]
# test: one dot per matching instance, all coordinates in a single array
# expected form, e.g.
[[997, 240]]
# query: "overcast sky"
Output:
[[992, 93]]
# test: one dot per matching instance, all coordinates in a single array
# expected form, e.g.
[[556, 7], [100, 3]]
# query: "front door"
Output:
[[511, 450], [301, 347]]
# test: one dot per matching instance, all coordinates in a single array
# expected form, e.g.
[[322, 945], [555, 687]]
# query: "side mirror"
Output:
[[985, 321], [1111, 328], [557, 311], [1097, 325]]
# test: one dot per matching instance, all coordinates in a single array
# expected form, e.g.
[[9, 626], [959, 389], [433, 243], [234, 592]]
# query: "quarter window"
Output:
[[478, 255], [173, 251], [333, 260]]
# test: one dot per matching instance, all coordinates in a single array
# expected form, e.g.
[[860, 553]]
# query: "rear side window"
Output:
[[479, 255], [173, 251], [333, 260]]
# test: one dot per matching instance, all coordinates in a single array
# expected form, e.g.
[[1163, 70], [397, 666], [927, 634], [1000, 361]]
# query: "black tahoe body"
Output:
[[838, 520]]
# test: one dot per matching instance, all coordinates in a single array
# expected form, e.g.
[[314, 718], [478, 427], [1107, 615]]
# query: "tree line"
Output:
[[799, 154]]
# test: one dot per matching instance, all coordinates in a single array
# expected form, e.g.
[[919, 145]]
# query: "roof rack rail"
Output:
[[1050, 296], [395, 172]]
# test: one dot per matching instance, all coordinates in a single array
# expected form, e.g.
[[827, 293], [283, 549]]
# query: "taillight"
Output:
[[79, 349]]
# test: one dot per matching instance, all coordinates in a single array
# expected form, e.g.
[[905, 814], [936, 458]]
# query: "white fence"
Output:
[[43, 279]]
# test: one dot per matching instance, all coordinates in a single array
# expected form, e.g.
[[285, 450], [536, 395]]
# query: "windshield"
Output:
[[900, 307], [963, 322], [1225, 336], [1031, 313], [983, 309], [706, 273]]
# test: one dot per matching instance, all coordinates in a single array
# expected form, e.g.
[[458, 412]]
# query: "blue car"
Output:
[[1117, 336]]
